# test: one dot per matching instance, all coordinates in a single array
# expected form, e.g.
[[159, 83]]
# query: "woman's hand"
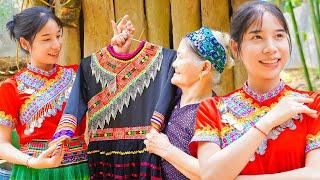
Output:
[[122, 34], [49, 158], [158, 143], [287, 108]]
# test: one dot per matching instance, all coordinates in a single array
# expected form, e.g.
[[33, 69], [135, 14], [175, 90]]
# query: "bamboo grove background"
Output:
[[163, 22]]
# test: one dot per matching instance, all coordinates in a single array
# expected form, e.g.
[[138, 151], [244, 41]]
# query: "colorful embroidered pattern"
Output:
[[207, 135], [236, 104], [29, 82], [47, 99], [313, 142], [239, 114], [157, 121], [7, 120], [265, 96], [124, 80], [240, 123], [65, 129], [208, 47], [42, 72], [76, 151], [138, 132]]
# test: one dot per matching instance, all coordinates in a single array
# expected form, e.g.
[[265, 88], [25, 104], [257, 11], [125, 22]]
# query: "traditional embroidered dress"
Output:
[[223, 120], [119, 93], [32, 102]]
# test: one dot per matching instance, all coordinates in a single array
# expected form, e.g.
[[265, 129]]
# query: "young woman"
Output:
[[264, 130], [32, 102]]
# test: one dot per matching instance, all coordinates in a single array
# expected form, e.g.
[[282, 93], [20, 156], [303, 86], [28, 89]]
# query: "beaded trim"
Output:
[[7, 120], [28, 82], [108, 134], [47, 99], [76, 151], [313, 142], [124, 80], [157, 120], [65, 129], [265, 96], [40, 71]]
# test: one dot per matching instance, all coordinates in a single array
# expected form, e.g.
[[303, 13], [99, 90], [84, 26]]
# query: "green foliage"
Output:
[[304, 36], [7, 9], [294, 3]]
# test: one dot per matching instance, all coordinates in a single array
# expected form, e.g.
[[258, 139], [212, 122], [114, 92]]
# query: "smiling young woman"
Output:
[[249, 133], [32, 102]]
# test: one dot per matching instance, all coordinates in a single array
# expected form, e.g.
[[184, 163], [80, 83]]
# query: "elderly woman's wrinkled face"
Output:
[[187, 67]]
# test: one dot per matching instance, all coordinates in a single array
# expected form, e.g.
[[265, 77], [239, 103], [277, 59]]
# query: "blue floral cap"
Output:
[[208, 47]]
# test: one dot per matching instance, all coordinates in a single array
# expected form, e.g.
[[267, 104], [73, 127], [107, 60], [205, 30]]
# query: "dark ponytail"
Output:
[[10, 27]]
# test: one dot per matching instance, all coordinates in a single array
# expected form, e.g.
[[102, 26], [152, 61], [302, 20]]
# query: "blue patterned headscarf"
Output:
[[207, 47]]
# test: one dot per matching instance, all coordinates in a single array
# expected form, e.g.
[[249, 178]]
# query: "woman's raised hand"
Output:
[[287, 108], [122, 34]]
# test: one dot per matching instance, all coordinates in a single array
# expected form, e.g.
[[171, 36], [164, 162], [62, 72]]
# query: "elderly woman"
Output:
[[201, 58]]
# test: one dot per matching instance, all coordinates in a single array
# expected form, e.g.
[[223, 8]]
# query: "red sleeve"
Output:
[[9, 112], [313, 137], [208, 125]]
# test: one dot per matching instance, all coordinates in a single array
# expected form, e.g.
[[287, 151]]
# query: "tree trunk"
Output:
[[97, 27], [71, 52], [185, 18], [215, 14], [236, 3], [158, 20], [69, 14]]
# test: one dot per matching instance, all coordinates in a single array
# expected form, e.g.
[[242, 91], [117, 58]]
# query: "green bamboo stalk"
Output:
[[317, 10], [316, 28], [297, 37]]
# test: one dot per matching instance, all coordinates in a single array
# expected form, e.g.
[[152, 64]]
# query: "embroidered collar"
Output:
[[46, 100], [265, 96], [40, 71], [128, 56]]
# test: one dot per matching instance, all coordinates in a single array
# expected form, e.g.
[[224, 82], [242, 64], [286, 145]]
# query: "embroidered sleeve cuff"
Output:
[[65, 129], [6, 120], [203, 136], [313, 142], [157, 121]]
